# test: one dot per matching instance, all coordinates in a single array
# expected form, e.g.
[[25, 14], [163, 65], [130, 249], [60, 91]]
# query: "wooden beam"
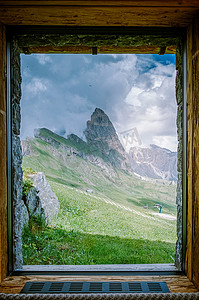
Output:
[[189, 154], [100, 50], [193, 152], [129, 3], [3, 157], [97, 15], [145, 49]]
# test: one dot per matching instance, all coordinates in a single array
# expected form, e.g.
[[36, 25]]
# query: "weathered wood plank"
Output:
[[176, 284], [3, 159], [145, 49], [55, 49], [97, 16], [195, 152], [189, 154], [147, 3]]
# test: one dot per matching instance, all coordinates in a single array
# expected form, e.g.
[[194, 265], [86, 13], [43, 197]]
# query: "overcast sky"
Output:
[[60, 92]]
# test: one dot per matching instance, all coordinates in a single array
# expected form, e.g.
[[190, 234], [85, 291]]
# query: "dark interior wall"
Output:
[[192, 257]]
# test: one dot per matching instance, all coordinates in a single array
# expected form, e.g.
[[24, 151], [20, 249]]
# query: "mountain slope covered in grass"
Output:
[[107, 215]]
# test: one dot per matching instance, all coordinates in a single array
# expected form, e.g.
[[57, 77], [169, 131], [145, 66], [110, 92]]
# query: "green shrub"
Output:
[[26, 187], [27, 172], [37, 223]]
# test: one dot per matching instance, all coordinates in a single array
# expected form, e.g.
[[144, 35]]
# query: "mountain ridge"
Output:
[[154, 162], [103, 147]]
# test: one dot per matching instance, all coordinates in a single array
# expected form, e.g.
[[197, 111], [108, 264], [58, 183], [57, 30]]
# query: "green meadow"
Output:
[[117, 223]]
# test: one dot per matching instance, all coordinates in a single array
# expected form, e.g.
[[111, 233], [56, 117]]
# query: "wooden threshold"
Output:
[[176, 284]]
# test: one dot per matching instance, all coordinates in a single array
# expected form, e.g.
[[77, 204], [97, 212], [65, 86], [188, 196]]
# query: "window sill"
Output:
[[102, 268], [99, 270]]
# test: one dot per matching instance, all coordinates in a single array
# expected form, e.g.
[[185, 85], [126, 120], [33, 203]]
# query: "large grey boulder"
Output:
[[49, 201], [41, 200], [31, 206]]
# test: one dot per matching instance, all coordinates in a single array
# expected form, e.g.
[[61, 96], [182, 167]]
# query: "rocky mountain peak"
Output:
[[99, 127], [100, 118], [101, 133]]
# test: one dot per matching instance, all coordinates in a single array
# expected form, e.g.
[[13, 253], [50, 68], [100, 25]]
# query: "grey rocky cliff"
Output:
[[154, 162], [25, 147], [100, 133], [41, 200], [74, 138]]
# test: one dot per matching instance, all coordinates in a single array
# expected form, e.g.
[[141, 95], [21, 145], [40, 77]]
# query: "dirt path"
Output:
[[165, 216], [120, 206]]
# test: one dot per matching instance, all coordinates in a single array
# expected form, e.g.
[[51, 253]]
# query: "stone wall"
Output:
[[16, 155], [3, 158], [179, 121]]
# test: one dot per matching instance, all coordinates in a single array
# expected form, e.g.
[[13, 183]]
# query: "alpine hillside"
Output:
[[107, 214]]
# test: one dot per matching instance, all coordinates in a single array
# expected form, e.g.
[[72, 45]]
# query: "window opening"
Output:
[[99, 164], [27, 40]]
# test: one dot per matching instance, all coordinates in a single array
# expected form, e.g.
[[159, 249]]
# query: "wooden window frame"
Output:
[[149, 34]]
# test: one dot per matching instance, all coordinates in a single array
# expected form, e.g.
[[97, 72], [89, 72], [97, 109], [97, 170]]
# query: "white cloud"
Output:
[[35, 86], [134, 90], [168, 142], [43, 59], [152, 106], [133, 96]]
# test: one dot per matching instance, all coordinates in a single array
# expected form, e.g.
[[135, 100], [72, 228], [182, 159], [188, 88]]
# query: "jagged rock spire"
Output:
[[101, 133]]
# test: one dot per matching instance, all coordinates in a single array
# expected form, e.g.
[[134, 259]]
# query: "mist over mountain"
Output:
[[103, 148]]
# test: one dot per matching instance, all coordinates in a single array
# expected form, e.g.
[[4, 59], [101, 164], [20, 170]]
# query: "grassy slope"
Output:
[[81, 145], [93, 228]]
